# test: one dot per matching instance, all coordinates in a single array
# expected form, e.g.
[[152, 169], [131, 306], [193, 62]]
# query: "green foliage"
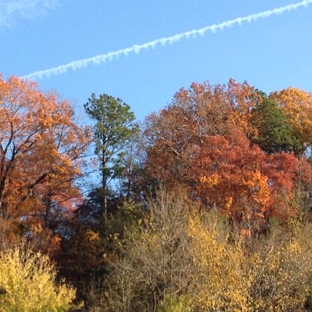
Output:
[[230, 231], [296, 104], [127, 217], [274, 133], [115, 126], [173, 305], [27, 283]]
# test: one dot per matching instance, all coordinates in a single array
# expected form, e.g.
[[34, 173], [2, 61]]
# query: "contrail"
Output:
[[110, 56]]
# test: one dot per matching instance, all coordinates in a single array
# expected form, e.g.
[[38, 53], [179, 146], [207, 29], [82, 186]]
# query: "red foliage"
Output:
[[201, 141]]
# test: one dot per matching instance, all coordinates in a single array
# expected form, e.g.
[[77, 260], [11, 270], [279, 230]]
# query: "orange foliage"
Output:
[[242, 99], [201, 140], [40, 150], [297, 106], [243, 181]]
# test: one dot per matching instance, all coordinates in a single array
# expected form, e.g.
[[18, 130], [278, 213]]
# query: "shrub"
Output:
[[27, 283]]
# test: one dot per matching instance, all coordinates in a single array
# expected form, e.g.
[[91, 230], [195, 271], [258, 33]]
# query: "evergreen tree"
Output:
[[115, 126], [274, 133]]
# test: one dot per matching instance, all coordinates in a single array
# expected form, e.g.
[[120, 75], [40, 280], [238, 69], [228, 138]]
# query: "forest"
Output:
[[206, 205]]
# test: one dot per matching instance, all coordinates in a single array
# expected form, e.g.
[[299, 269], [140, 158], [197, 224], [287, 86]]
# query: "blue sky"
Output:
[[270, 53]]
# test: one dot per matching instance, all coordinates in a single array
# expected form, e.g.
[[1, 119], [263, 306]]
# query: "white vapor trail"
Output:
[[97, 60]]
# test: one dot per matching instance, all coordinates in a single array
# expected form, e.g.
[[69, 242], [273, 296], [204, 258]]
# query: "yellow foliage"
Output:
[[189, 260], [258, 184], [271, 276], [228, 202], [279, 273], [92, 236], [297, 105], [27, 283], [212, 180], [218, 281]]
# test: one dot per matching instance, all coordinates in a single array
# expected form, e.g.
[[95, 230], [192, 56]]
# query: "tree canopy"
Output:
[[41, 149], [213, 211], [274, 131], [114, 127]]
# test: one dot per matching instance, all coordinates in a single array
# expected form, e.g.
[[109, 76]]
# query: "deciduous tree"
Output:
[[202, 141], [41, 149]]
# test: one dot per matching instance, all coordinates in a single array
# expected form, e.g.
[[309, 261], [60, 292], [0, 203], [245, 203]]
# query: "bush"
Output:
[[183, 259], [27, 283]]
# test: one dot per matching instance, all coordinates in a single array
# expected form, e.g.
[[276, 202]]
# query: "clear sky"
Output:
[[270, 53]]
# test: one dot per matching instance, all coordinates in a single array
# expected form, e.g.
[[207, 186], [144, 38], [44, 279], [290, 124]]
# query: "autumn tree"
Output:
[[214, 158], [243, 182], [227, 175], [273, 274], [177, 132], [152, 263], [174, 134], [242, 98], [114, 127], [183, 258], [41, 150]]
